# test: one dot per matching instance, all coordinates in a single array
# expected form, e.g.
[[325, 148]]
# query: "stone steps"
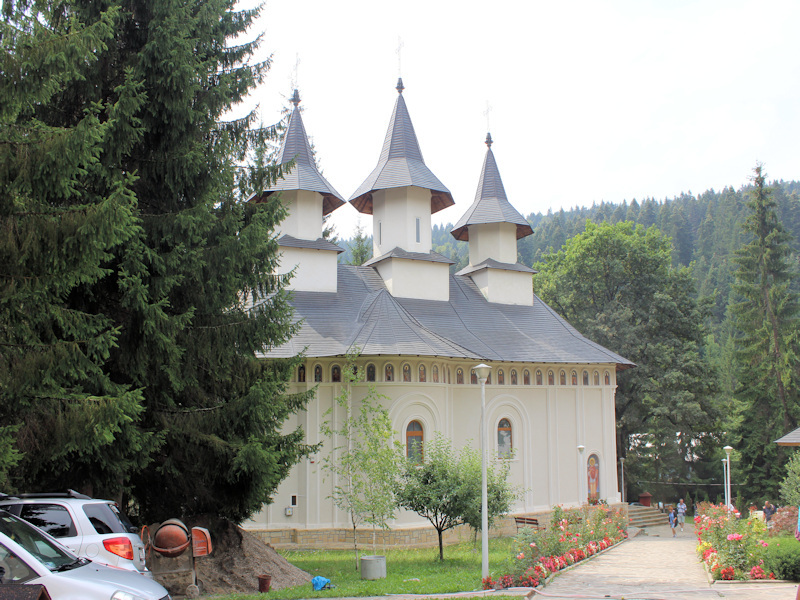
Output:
[[645, 516]]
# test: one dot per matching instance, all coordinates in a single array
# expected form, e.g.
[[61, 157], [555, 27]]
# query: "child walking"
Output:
[[673, 520]]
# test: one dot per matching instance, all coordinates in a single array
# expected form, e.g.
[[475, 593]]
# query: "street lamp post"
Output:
[[482, 371], [622, 477], [725, 482], [728, 450], [581, 476]]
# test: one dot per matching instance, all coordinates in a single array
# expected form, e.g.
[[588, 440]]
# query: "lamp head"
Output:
[[728, 450], [581, 448], [482, 371]]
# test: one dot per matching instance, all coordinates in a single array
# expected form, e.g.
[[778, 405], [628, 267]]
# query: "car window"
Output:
[[106, 518], [52, 518], [52, 554], [13, 569]]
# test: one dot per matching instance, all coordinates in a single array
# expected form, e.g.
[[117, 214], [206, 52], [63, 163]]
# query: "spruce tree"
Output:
[[186, 292], [767, 317], [64, 213]]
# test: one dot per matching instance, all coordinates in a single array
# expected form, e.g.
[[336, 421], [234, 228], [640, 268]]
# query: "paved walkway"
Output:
[[654, 566]]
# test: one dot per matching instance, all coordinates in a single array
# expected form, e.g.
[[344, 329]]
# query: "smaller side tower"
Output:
[[492, 227], [308, 197]]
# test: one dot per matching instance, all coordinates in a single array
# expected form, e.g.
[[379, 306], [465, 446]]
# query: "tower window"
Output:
[[418, 230]]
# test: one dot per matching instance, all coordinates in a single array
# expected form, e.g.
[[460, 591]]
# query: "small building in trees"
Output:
[[420, 330]]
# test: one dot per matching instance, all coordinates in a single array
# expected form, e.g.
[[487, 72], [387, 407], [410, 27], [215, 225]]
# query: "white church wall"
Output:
[[315, 269], [548, 423], [415, 279], [493, 240], [304, 218], [566, 444], [505, 287], [394, 220]]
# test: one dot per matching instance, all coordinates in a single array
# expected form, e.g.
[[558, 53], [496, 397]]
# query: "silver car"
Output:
[[30, 556], [92, 528]]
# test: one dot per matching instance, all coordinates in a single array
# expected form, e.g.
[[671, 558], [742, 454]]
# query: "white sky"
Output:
[[591, 100]]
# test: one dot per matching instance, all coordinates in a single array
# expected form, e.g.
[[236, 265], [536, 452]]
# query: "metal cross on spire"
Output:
[[399, 53], [296, 70], [487, 114]]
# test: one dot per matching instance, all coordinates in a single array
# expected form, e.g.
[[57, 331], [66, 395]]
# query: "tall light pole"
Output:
[[728, 450], [622, 470], [581, 476], [482, 371], [725, 482]]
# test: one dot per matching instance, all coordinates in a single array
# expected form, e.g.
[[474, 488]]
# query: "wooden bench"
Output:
[[531, 522]]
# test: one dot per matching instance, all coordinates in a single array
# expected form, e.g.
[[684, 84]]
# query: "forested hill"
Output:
[[705, 229]]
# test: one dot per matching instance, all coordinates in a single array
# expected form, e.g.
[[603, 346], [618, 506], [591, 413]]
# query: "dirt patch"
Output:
[[235, 563]]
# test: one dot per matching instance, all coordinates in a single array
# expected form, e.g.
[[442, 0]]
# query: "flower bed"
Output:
[[572, 536], [731, 548]]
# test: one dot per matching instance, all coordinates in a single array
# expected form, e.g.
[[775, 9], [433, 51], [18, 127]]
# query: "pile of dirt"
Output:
[[236, 561]]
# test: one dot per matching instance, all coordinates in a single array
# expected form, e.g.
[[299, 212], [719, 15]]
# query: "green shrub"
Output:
[[782, 557]]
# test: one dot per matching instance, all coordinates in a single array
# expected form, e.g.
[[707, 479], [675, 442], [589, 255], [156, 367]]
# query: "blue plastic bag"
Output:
[[320, 583]]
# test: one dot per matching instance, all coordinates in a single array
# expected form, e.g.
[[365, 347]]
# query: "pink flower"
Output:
[[734, 537], [520, 556], [533, 544]]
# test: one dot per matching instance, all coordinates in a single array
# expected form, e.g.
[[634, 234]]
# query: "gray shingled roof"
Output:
[[304, 175], [491, 204], [398, 252], [363, 314], [790, 439], [401, 164], [318, 244], [491, 263]]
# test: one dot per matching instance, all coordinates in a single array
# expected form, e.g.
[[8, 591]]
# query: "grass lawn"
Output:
[[408, 571]]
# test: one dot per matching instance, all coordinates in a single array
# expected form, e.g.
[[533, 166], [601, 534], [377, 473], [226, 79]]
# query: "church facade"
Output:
[[420, 330]]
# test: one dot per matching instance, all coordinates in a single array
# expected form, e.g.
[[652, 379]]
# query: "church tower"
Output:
[[492, 227], [401, 194], [308, 197]]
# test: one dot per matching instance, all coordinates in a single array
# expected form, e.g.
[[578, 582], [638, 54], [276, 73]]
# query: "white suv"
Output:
[[95, 529]]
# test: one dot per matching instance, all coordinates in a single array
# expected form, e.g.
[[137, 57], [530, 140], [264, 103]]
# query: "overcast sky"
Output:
[[590, 100]]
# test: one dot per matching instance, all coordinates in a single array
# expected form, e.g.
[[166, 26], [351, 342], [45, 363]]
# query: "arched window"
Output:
[[301, 373], [513, 377], [504, 446], [406, 372], [596, 378], [422, 376], [526, 377], [551, 378], [473, 377], [370, 372], [459, 375], [608, 378], [586, 378], [435, 373], [538, 377], [501, 377], [414, 439], [574, 378], [336, 374], [562, 378], [388, 373], [318, 373]]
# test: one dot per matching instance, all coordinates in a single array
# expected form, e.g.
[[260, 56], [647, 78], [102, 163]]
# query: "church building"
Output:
[[421, 330]]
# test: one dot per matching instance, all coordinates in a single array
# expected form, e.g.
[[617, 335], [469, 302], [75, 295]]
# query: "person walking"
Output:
[[769, 511], [673, 520], [681, 513]]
